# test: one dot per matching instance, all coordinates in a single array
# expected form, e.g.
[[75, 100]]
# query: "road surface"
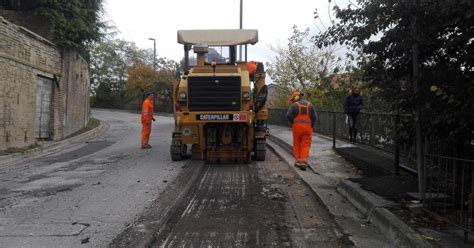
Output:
[[104, 191]]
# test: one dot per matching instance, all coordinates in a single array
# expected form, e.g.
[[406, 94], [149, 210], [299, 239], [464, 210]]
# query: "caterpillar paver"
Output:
[[219, 115]]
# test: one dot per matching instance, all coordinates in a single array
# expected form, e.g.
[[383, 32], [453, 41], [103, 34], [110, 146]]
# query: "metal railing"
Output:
[[449, 173], [377, 130], [448, 163], [374, 129]]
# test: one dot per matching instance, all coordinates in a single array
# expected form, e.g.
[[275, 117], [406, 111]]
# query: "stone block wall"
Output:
[[24, 56], [76, 93], [34, 22]]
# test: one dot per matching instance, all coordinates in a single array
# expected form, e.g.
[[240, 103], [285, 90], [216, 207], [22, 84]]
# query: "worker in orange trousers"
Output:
[[302, 116], [147, 118]]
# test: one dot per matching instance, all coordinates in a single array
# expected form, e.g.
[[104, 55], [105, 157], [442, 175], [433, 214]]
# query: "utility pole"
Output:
[[416, 89], [154, 53], [241, 14]]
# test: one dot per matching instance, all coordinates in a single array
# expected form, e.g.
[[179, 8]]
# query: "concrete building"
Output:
[[44, 92]]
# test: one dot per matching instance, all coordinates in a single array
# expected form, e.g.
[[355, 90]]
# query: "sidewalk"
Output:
[[336, 181]]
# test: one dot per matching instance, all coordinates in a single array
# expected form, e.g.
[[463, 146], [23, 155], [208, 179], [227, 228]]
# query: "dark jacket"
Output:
[[293, 112], [353, 104]]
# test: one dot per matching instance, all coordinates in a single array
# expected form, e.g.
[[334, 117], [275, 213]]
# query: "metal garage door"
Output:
[[44, 96]]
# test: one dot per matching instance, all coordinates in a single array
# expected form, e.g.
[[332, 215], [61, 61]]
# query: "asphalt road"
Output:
[[87, 195], [108, 192], [262, 204]]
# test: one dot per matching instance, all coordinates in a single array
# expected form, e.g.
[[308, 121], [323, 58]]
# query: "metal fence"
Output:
[[378, 130], [374, 129], [449, 173], [448, 162]]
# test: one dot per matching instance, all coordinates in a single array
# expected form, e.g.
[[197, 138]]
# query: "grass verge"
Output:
[[93, 123], [13, 150]]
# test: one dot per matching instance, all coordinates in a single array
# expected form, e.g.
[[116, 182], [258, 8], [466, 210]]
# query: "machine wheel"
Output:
[[177, 149], [260, 149]]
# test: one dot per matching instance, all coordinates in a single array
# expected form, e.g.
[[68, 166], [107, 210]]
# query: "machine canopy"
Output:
[[218, 37]]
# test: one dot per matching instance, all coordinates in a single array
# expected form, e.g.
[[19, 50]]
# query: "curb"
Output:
[[396, 230], [374, 207], [376, 210], [287, 147], [364, 201], [53, 146]]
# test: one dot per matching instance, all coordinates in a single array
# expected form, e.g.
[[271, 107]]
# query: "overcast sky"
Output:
[[139, 20]]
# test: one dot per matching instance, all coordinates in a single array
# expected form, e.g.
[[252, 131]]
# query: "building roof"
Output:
[[218, 37]]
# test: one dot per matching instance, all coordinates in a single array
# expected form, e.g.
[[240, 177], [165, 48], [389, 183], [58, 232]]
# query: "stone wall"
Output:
[[75, 93], [34, 22], [25, 56]]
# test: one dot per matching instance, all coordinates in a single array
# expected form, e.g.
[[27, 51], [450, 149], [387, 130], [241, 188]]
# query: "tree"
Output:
[[73, 23], [323, 77], [110, 61], [301, 66], [388, 31], [141, 77]]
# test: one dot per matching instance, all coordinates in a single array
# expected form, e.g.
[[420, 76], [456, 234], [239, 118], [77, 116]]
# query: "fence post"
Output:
[[371, 134], [334, 130], [397, 145], [422, 173]]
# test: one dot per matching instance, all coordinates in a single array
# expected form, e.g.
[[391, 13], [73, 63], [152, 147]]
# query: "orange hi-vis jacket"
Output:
[[303, 117], [147, 117], [302, 132], [147, 110]]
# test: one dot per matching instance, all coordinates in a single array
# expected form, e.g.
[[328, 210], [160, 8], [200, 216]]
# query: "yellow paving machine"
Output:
[[220, 100]]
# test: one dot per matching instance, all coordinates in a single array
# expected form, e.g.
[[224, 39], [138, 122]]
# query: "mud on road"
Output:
[[246, 205]]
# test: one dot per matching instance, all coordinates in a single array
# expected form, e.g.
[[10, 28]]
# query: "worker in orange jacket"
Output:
[[147, 118], [302, 116]]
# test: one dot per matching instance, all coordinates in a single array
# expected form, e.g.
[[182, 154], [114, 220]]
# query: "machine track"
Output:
[[177, 149], [260, 149]]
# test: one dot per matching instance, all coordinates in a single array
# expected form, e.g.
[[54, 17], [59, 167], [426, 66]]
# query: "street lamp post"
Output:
[[154, 53], [240, 26]]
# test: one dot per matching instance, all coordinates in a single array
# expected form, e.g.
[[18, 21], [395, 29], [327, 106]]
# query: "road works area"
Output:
[[256, 204], [107, 192]]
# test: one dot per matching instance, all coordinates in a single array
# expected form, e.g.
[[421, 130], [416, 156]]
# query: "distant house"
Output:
[[276, 94], [341, 80]]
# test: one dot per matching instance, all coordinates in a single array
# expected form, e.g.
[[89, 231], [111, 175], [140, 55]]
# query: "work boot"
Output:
[[304, 164], [298, 163], [146, 146], [302, 167]]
